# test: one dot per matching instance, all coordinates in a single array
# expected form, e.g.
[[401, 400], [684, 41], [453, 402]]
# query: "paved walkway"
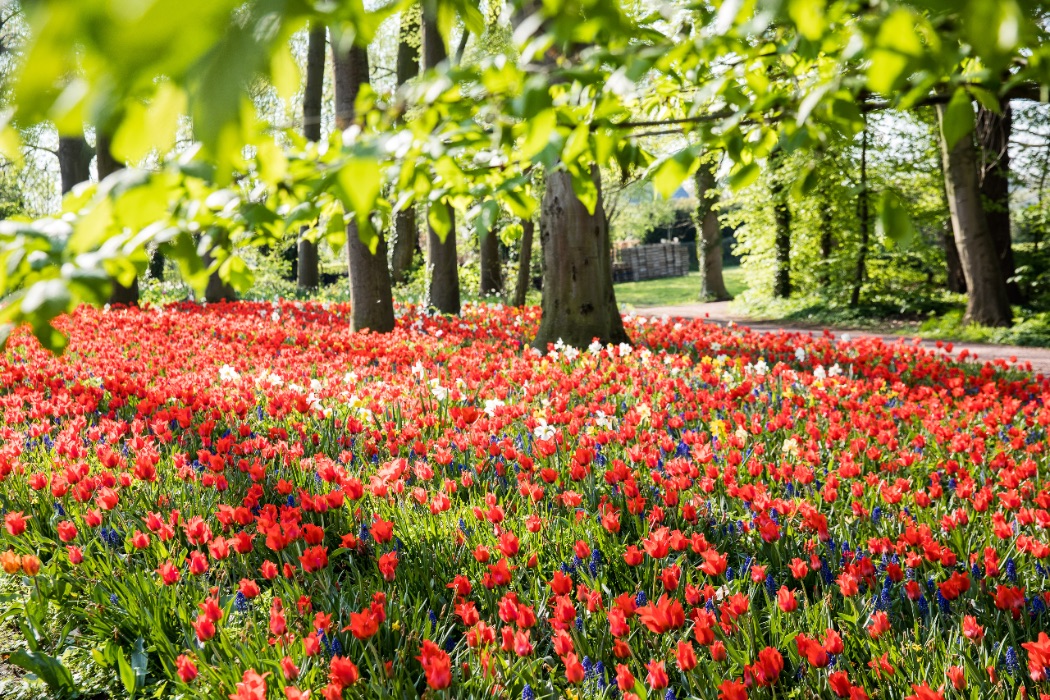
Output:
[[719, 312]]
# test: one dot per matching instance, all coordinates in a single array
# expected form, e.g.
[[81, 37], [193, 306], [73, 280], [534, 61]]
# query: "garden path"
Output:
[[719, 312]]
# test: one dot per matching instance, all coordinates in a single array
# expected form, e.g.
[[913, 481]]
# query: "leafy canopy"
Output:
[[585, 81]]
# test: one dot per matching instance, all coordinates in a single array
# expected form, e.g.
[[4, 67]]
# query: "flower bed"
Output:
[[251, 501]]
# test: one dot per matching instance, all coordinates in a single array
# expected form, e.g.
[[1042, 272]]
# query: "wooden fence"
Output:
[[650, 262]]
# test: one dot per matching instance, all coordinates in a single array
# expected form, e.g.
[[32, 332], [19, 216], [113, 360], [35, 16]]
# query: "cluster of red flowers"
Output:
[[264, 504]]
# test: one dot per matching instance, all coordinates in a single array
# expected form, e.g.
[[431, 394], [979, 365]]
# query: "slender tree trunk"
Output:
[[371, 301], [988, 302], [406, 229], [709, 240], [74, 161], [993, 140], [956, 278], [579, 304], [862, 214], [782, 219], [307, 261], [156, 264], [442, 259], [105, 166], [827, 242], [521, 288], [491, 272]]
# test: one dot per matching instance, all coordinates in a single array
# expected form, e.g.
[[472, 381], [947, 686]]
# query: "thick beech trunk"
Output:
[[74, 161], [579, 304], [217, 290], [782, 220], [106, 165], [491, 272], [442, 259], [521, 288], [987, 301], [862, 215], [306, 261], [709, 240], [993, 140], [371, 301], [406, 229]]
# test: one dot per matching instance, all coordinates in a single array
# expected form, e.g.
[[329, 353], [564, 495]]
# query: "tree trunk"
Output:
[[306, 260], [406, 229], [709, 240], [442, 259], [156, 264], [491, 272], [993, 140], [74, 161], [988, 302], [579, 304], [827, 242], [521, 288], [106, 165], [782, 219], [371, 301], [217, 290], [862, 215], [956, 278]]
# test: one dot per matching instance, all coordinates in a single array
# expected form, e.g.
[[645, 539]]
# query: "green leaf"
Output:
[[440, 218], [808, 16], [148, 127], [672, 171], [127, 674], [744, 176], [584, 187], [894, 223], [957, 119], [361, 182], [538, 133], [47, 668], [47, 299], [896, 45], [284, 72], [485, 221]]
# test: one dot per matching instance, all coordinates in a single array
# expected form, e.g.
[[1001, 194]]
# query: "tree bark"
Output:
[[782, 220], [307, 261], [827, 242], [406, 229], [579, 303], [74, 161], [371, 300], [217, 290], [521, 288], [156, 265], [987, 302], [709, 240], [993, 140], [956, 278], [862, 214], [442, 259], [106, 165], [491, 272]]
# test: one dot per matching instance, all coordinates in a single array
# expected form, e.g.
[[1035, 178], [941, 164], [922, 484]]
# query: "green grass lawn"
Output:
[[673, 291]]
